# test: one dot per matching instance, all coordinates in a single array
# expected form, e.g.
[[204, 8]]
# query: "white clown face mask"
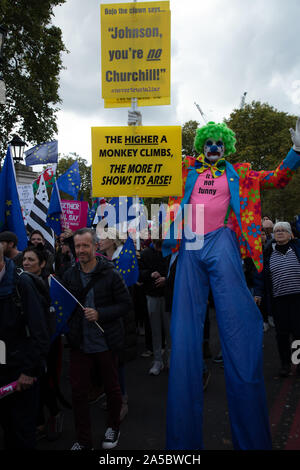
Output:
[[214, 149]]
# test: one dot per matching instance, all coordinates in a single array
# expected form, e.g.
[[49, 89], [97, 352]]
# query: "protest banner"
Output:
[[143, 160], [135, 50], [74, 214], [26, 197]]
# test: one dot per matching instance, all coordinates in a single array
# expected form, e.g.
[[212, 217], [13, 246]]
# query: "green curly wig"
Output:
[[215, 131]]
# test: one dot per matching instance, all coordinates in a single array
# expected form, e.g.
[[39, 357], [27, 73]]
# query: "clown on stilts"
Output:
[[230, 196]]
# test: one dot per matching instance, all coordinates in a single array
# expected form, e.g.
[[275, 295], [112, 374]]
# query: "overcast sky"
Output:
[[219, 50]]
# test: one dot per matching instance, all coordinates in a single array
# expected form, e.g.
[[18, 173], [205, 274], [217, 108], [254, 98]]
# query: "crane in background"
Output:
[[243, 100], [201, 112]]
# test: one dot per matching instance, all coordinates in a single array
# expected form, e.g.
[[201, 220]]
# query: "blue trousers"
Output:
[[216, 265]]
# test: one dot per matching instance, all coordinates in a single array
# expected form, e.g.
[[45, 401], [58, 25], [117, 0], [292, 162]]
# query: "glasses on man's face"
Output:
[[280, 230]]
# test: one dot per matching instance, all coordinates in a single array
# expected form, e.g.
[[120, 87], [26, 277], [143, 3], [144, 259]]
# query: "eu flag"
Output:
[[64, 304], [10, 209], [126, 263], [69, 182], [43, 153], [124, 210], [91, 216], [54, 211]]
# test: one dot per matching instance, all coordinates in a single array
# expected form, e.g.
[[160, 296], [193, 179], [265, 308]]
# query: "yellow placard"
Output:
[[135, 50], [136, 160], [126, 103]]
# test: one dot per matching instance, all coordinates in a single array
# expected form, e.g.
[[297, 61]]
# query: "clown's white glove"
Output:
[[295, 134], [134, 118]]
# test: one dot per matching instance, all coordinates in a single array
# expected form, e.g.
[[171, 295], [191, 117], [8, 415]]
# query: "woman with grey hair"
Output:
[[281, 278]]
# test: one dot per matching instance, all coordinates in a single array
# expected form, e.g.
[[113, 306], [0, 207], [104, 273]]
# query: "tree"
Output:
[[263, 139], [64, 164], [31, 66], [188, 136]]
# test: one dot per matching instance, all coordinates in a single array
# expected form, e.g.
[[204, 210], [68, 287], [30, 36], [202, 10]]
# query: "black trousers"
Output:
[[287, 324], [18, 415]]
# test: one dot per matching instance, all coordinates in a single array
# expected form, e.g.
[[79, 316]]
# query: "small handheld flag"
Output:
[[64, 304]]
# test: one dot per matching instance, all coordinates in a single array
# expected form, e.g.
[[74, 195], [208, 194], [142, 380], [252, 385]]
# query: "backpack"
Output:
[[43, 291]]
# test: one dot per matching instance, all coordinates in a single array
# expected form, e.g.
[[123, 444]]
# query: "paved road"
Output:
[[144, 427]]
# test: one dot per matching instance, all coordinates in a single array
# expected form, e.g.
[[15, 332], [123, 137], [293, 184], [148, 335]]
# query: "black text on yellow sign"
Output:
[[142, 160], [135, 50]]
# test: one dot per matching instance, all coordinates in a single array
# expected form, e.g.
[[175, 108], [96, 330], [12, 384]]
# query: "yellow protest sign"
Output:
[[136, 160], [135, 50]]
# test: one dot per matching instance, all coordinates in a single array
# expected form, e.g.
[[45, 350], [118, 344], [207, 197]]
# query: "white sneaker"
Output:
[[271, 321], [156, 368], [266, 326], [111, 438], [77, 446]]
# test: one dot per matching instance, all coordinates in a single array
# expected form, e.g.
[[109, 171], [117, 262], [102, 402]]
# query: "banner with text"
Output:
[[74, 214], [26, 197], [136, 160], [135, 50]]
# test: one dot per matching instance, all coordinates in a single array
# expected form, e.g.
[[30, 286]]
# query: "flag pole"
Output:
[[137, 199]]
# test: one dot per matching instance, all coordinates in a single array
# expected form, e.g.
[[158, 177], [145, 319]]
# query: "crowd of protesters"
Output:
[[102, 332]]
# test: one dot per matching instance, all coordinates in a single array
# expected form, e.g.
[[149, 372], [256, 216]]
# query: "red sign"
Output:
[[74, 214]]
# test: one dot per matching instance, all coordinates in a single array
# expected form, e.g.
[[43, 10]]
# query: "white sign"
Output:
[[26, 197]]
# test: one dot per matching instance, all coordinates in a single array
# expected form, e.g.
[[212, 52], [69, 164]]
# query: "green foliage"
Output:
[[263, 139], [188, 136], [64, 164], [31, 66]]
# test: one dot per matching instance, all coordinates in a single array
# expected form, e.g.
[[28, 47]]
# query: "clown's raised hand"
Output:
[[295, 134]]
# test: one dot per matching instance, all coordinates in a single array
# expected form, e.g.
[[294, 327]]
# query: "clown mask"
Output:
[[214, 150]]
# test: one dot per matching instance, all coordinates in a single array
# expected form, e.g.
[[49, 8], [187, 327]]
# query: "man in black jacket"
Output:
[[153, 272], [102, 291], [24, 331]]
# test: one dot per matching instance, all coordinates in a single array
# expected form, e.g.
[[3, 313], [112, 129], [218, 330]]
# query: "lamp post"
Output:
[[17, 146], [2, 84]]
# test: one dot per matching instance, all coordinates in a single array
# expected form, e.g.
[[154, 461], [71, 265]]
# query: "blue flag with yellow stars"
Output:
[[126, 263], [64, 304], [70, 181], [54, 211], [91, 216], [42, 153], [11, 218], [125, 210]]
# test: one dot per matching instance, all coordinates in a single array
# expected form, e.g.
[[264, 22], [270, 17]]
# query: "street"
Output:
[[144, 426]]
